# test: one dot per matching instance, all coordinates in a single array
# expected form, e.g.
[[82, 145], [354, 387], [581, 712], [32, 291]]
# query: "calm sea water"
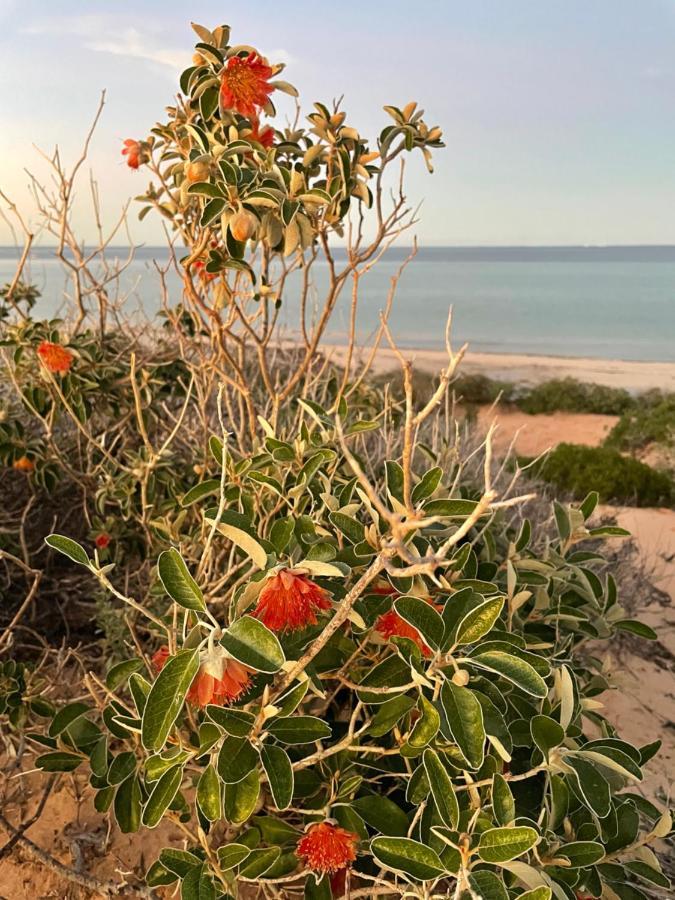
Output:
[[611, 302]]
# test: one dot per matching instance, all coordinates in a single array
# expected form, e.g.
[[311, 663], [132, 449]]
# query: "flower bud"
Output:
[[460, 678], [197, 171], [243, 225]]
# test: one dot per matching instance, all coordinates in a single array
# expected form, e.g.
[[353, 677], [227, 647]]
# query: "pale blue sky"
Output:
[[559, 115]]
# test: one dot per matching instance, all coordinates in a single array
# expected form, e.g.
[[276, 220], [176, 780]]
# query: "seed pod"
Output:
[[243, 225]]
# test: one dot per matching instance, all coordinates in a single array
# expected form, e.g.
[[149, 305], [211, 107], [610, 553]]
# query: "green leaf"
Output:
[[389, 714], [448, 508], [639, 628], [581, 854], [69, 548], [400, 854], [423, 618], [66, 716], [426, 727], [441, 788], [158, 875], [128, 805], [259, 861], [208, 794], [162, 796], [427, 484], [499, 845], [166, 697], [58, 761], [253, 644], [198, 885], [281, 533], [539, 893], [514, 669], [230, 525], [299, 729], [485, 885], [241, 798], [177, 581], [546, 733], [179, 861], [592, 786], [203, 489], [382, 814], [120, 672], [503, 804], [236, 722], [464, 718], [237, 758], [478, 621], [279, 773], [230, 855], [122, 766], [352, 529]]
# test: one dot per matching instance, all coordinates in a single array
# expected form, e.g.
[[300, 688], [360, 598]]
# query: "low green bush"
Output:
[[576, 470], [570, 395], [652, 421]]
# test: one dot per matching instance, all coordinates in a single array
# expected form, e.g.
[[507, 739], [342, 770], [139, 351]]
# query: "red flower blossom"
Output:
[[199, 267], [390, 624], [289, 601], [327, 848], [264, 135], [23, 464], [102, 540], [219, 680], [244, 84], [134, 152], [55, 357]]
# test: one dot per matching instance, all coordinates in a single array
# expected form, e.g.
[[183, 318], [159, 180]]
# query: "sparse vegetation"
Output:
[[574, 469]]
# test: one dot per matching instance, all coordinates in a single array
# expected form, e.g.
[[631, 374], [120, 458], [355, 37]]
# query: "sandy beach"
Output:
[[528, 370]]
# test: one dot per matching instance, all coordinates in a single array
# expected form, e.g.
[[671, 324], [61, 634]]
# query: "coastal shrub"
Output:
[[575, 469], [349, 665], [570, 395], [650, 421], [379, 694]]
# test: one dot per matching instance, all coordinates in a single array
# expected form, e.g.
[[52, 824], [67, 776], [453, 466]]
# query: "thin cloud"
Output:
[[99, 34], [102, 34]]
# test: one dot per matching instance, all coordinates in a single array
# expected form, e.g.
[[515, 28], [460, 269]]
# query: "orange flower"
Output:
[[55, 357], [264, 135], [102, 540], [327, 848], [390, 624], [136, 152], [244, 84], [220, 679], [23, 464], [289, 601]]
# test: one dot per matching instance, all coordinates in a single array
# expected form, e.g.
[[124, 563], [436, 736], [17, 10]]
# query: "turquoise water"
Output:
[[615, 302]]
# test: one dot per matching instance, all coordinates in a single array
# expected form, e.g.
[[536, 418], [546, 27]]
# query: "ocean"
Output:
[[606, 302]]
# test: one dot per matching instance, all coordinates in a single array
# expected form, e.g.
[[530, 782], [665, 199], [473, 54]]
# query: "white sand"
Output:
[[524, 369]]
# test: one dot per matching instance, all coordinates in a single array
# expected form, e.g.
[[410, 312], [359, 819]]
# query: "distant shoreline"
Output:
[[531, 369]]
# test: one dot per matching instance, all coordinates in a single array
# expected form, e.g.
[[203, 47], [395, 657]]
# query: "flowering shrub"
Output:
[[357, 671], [382, 694]]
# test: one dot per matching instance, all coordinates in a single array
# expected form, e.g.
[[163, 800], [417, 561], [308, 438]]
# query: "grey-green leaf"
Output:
[[400, 854], [279, 773], [499, 845], [253, 644], [162, 796], [441, 788], [514, 669], [464, 718], [166, 697], [177, 581], [69, 548], [209, 794]]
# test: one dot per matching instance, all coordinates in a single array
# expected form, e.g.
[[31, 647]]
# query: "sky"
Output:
[[559, 115]]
